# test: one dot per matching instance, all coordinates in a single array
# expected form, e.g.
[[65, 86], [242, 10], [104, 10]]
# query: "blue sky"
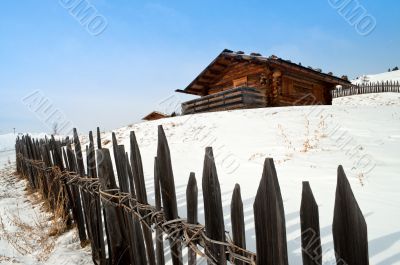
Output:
[[151, 48]]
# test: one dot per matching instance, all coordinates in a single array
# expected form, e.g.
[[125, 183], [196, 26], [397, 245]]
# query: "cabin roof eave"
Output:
[[198, 86]]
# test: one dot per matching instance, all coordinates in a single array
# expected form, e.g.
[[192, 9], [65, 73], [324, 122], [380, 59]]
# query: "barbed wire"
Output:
[[177, 230]]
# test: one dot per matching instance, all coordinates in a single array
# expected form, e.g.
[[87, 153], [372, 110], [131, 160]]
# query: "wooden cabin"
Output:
[[235, 80], [155, 115]]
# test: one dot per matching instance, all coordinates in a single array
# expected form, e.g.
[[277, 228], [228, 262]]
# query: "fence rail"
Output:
[[119, 223], [379, 87]]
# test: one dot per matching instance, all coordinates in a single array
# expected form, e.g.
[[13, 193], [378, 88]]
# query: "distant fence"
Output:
[[367, 88], [120, 225]]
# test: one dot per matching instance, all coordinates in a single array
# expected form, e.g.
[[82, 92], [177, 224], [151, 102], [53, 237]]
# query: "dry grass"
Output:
[[27, 238], [37, 235], [312, 136]]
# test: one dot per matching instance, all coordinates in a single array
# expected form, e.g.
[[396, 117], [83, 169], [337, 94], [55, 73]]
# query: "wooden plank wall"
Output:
[[114, 213]]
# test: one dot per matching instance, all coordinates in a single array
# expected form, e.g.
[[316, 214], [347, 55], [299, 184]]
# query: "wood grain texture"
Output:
[[310, 229], [269, 218], [237, 220], [349, 227], [192, 211], [159, 234], [168, 190], [213, 213]]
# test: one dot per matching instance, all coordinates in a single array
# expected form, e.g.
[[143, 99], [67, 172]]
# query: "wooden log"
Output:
[[213, 214], [269, 219], [192, 215], [140, 185], [237, 219], [115, 223], [349, 227], [310, 229], [160, 258], [168, 191]]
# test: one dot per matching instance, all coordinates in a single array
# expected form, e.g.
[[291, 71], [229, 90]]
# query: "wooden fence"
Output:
[[366, 89], [121, 226]]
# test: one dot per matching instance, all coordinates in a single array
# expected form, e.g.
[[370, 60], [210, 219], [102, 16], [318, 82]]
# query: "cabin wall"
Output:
[[300, 91], [295, 89], [237, 71]]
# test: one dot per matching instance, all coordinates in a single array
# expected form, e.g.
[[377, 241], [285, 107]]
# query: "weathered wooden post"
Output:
[[113, 215], [269, 217], [160, 258], [213, 213], [141, 194], [349, 227], [310, 230], [192, 201], [168, 191], [237, 219]]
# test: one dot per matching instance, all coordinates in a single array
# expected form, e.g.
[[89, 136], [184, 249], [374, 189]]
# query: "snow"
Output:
[[382, 77], [7, 141], [25, 228], [362, 133]]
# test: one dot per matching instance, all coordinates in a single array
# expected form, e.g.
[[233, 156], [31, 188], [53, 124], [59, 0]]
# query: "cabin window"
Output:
[[241, 82]]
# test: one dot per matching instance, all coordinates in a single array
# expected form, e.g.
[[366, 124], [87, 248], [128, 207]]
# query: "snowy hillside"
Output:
[[383, 77], [307, 143]]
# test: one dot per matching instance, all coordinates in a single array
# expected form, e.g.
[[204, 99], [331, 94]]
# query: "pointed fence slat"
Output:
[[160, 257], [168, 191], [213, 213], [192, 215], [98, 138], [237, 219], [269, 219], [136, 228], [77, 205], [140, 185], [114, 216], [349, 227], [310, 229], [95, 209]]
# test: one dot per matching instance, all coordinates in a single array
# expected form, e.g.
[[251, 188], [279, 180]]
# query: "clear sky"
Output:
[[115, 75]]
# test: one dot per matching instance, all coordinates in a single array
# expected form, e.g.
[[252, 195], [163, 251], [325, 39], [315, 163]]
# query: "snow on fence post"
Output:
[[237, 219], [310, 229], [269, 218], [349, 226], [213, 213], [168, 191], [192, 201]]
